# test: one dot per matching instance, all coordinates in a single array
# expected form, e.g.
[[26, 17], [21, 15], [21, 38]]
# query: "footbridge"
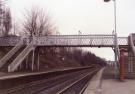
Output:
[[67, 41], [22, 47]]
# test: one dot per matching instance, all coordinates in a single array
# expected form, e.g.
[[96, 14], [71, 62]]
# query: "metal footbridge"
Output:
[[27, 45], [68, 41]]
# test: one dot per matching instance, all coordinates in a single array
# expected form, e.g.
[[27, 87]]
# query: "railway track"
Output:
[[73, 82]]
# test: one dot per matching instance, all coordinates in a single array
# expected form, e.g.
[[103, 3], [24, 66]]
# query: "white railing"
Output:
[[131, 41], [12, 67], [10, 53], [69, 40], [81, 40], [9, 41]]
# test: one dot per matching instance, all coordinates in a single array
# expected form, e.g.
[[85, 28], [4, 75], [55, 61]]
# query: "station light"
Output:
[[106, 0]]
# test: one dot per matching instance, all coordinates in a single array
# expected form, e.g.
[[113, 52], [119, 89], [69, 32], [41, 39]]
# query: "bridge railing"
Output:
[[10, 53], [75, 40], [9, 41], [67, 40], [122, 41], [18, 60], [131, 43]]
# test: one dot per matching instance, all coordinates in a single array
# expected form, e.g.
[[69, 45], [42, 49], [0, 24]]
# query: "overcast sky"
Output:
[[88, 16]]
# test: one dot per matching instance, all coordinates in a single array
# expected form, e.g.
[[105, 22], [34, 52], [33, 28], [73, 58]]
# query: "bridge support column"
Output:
[[38, 62], [20, 67], [33, 59], [122, 67], [27, 58]]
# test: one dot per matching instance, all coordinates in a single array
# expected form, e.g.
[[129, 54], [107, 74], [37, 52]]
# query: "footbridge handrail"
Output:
[[132, 44], [11, 53], [100, 40], [21, 57]]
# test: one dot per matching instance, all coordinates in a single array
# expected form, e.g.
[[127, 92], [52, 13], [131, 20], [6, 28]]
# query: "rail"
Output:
[[47, 81]]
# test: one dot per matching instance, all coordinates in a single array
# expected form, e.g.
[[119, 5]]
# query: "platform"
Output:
[[4, 76], [112, 86], [21, 74], [103, 85], [94, 86]]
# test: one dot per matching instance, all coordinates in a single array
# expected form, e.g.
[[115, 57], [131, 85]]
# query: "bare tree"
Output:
[[5, 19], [7, 22], [38, 23], [1, 16]]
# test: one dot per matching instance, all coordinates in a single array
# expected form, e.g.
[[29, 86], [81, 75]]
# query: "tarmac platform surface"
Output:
[[113, 86], [99, 85]]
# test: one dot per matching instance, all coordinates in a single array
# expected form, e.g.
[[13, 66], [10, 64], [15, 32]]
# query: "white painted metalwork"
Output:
[[33, 59], [59, 40], [38, 63], [132, 46], [10, 41], [68, 40], [10, 53], [80, 40], [131, 43], [18, 60], [75, 40]]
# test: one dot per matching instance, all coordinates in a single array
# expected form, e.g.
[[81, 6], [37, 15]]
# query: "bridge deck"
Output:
[[68, 41]]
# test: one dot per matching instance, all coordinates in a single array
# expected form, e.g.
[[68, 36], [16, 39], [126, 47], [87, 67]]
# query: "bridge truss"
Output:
[[68, 41]]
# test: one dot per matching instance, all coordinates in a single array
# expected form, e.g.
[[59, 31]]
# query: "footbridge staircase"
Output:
[[11, 61], [130, 58]]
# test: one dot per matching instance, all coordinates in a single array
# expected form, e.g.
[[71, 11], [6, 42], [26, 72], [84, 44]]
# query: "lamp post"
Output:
[[116, 50], [79, 37], [115, 19]]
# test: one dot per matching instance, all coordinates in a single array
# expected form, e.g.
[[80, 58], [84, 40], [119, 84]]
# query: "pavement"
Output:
[[97, 85], [113, 86], [94, 86]]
